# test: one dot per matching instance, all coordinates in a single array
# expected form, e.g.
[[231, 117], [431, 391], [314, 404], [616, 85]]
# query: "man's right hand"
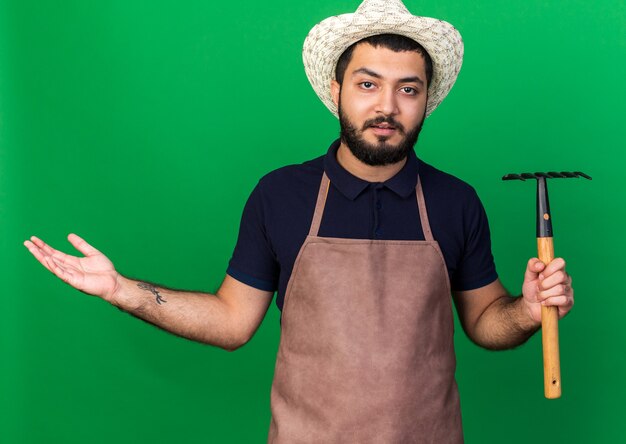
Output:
[[93, 274]]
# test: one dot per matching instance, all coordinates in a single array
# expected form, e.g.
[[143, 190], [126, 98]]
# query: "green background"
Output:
[[144, 125]]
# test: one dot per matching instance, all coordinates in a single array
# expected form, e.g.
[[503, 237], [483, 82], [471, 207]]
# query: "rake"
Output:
[[545, 249]]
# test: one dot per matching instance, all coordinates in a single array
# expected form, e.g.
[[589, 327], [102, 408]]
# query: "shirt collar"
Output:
[[403, 183]]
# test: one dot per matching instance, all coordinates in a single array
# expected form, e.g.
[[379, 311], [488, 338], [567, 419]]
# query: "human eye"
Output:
[[409, 90], [366, 85]]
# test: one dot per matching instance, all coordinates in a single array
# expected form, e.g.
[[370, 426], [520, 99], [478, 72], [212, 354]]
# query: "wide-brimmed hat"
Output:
[[332, 36]]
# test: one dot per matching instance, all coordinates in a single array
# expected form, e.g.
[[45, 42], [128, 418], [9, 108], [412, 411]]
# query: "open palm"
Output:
[[93, 274]]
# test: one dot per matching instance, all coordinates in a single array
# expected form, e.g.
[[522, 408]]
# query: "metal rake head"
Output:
[[544, 219], [548, 175]]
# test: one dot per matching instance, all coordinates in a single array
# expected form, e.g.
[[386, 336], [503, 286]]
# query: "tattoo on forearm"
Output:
[[152, 289]]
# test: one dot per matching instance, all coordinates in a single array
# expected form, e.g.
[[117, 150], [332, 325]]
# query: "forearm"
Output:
[[198, 316], [227, 319], [495, 320], [506, 323]]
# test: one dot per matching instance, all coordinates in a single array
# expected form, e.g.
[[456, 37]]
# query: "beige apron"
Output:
[[366, 350]]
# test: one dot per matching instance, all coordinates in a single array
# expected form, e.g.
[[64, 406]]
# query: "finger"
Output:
[[47, 250], [557, 290], [55, 265], [554, 266], [37, 253], [52, 266], [533, 268], [564, 309], [67, 275], [81, 245], [559, 277], [559, 301], [31, 247], [42, 245]]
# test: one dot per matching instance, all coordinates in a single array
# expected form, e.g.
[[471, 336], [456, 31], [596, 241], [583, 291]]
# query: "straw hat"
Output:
[[331, 37]]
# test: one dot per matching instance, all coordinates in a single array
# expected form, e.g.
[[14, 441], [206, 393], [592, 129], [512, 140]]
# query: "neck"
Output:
[[364, 171]]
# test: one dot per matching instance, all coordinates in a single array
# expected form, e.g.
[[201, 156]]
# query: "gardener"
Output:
[[363, 245]]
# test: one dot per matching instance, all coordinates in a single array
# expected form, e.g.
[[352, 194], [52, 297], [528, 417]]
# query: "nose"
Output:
[[387, 102]]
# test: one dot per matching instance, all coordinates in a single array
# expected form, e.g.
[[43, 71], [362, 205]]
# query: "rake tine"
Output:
[[581, 174], [568, 174], [513, 177], [555, 175], [528, 176]]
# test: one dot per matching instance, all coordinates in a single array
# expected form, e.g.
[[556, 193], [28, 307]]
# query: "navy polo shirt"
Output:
[[278, 214]]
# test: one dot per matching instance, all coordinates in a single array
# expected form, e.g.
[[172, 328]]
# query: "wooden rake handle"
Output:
[[549, 331]]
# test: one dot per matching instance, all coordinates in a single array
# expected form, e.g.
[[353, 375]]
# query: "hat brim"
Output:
[[331, 37]]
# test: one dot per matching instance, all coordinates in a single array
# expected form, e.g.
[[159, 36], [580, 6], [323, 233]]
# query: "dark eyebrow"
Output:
[[368, 72], [414, 79], [371, 73]]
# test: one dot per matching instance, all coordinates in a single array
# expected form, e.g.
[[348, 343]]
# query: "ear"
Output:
[[335, 87]]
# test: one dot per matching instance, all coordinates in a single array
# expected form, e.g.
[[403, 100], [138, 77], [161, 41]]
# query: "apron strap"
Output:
[[421, 204], [319, 206]]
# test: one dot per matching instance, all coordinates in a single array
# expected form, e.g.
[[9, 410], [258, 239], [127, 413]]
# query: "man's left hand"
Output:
[[548, 285]]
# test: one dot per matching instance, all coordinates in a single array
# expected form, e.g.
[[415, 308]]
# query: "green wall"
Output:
[[143, 126]]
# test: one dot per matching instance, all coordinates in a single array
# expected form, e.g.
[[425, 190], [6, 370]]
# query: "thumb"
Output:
[[533, 268], [81, 245]]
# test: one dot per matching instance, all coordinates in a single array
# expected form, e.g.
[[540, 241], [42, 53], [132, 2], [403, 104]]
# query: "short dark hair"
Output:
[[395, 42]]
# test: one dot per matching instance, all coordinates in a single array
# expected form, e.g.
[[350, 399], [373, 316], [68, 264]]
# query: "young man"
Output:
[[364, 246]]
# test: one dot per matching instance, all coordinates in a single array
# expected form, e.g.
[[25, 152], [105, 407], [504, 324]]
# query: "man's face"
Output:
[[381, 104]]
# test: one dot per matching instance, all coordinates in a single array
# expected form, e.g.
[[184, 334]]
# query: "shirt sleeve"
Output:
[[254, 261], [476, 268]]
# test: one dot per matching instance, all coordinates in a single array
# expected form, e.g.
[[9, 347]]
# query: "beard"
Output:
[[381, 153]]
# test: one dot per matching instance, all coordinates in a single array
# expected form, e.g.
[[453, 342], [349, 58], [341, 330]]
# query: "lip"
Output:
[[383, 131]]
